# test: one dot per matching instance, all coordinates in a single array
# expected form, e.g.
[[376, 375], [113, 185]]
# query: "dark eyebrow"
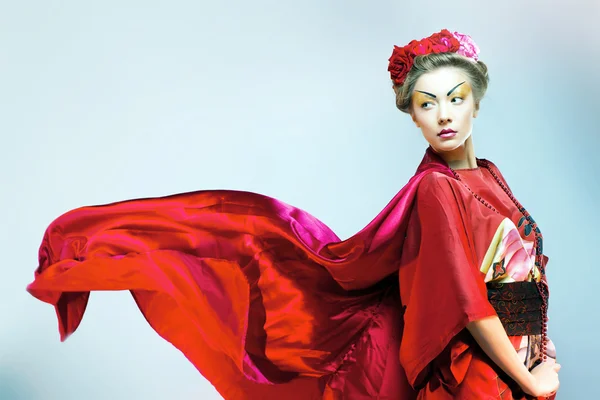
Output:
[[447, 94]]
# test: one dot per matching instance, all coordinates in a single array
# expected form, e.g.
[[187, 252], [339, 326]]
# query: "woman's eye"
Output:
[[460, 100]]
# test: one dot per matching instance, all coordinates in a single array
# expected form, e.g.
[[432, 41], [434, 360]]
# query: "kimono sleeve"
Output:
[[442, 289]]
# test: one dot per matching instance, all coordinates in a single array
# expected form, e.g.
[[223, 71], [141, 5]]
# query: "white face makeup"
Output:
[[443, 99]]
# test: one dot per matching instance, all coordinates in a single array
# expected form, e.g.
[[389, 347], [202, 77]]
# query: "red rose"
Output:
[[400, 63], [402, 58], [444, 41], [421, 47]]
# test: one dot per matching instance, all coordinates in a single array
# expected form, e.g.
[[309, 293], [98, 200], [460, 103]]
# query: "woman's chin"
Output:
[[445, 145]]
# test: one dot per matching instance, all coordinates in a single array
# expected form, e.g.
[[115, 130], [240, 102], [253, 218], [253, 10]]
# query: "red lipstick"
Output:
[[447, 133]]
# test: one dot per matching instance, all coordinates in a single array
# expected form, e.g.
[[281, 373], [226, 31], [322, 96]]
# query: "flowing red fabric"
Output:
[[263, 298]]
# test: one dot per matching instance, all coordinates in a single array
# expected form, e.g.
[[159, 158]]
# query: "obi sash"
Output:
[[518, 305]]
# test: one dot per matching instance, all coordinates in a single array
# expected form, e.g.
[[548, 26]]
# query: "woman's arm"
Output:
[[492, 338]]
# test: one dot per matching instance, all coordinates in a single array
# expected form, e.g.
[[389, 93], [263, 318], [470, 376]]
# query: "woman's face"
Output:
[[443, 99]]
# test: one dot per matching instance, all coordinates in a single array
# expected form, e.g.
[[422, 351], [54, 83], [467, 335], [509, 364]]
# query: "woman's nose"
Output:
[[444, 115], [444, 120]]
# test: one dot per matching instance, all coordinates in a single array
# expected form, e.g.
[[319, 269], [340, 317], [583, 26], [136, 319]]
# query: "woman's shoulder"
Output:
[[435, 178], [442, 189], [490, 163], [436, 181], [496, 170]]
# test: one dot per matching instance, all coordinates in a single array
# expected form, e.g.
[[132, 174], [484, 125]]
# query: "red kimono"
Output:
[[453, 246], [267, 302]]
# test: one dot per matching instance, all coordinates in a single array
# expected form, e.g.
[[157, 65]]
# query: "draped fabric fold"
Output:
[[262, 297]]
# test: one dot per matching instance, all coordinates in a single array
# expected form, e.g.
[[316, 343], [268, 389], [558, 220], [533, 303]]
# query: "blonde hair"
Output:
[[476, 72]]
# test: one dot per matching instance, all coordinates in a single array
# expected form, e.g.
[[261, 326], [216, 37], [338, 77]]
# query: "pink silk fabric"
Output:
[[262, 297], [253, 291]]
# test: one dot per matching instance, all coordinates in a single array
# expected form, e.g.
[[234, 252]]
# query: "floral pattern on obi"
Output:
[[509, 258]]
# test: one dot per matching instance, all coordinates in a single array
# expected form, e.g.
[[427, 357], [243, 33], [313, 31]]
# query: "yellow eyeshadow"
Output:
[[462, 92], [421, 97], [418, 95]]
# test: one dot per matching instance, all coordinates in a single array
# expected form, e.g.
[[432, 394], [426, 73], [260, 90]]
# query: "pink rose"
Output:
[[468, 48]]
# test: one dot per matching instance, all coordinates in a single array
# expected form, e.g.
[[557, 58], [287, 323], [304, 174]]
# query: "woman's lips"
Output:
[[447, 135]]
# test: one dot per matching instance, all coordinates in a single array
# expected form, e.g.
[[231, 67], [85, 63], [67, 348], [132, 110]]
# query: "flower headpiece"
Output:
[[402, 58]]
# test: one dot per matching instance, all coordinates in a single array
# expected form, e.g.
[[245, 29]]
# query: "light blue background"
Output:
[[109, 100]]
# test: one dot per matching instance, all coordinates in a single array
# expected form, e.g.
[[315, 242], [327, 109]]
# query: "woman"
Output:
[[267, 302], [442, 93]]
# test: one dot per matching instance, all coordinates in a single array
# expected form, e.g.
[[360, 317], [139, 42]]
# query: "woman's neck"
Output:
[[462, 157]]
